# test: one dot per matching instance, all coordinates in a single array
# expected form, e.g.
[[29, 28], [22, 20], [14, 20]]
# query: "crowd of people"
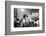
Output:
[[26, 21]]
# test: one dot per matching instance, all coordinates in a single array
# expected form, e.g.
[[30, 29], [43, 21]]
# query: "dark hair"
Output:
[[17, 19], [25, 16]]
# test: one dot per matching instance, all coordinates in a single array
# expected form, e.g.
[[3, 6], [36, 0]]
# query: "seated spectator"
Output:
[[35, 24]]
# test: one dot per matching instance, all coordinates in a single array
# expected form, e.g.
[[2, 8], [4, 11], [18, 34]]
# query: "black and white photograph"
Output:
[[25, 17]]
